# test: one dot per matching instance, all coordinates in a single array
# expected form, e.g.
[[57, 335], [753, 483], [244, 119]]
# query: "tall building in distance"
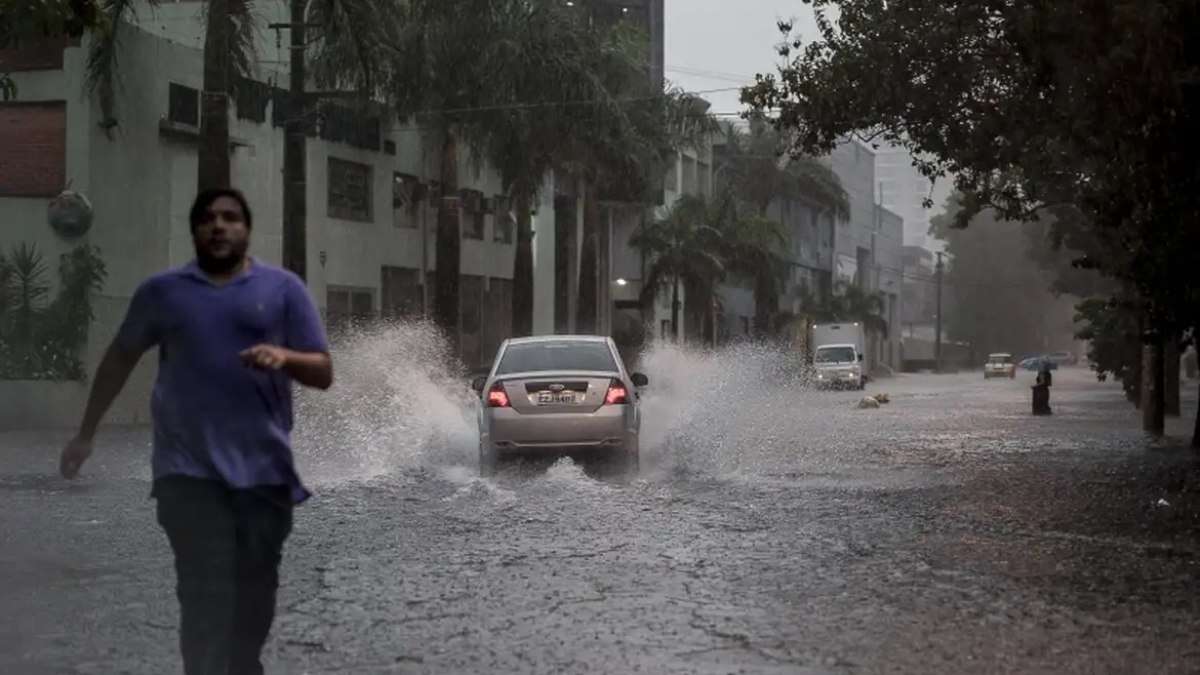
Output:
[[649, 16], [902, 189]]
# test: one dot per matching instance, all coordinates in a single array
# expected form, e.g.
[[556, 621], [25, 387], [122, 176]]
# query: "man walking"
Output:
[[232, 334]]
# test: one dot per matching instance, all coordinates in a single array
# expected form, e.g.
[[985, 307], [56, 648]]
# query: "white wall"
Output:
[[854, 165], [142, 183]]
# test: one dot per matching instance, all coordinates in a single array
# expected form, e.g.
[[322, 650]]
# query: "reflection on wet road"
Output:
[[774, 529]]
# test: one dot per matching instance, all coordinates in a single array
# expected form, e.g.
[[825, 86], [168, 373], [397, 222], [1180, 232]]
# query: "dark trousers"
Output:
[[228, 544]]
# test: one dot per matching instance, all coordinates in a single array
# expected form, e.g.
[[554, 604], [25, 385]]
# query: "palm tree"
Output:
[[439, 69], [543, 56], [757, 168], [684, 248], [228, 53], [851, 302], [626, 154], [754, 250], [348, 39], [755, 171]]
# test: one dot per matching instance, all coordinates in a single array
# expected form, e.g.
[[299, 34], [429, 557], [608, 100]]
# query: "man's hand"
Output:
[[73, 456], [269, 357]]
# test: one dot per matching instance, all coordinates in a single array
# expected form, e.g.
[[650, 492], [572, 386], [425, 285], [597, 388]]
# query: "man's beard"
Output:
[[221, 264]]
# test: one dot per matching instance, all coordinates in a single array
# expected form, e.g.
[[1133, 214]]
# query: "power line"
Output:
[[711, 74]]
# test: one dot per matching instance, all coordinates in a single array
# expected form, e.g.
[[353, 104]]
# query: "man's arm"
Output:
[[306, 344], [113, 371], [312, 369], [111, 375], [138, 333]]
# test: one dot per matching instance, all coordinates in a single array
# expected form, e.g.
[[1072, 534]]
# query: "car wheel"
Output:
[[487, 462]]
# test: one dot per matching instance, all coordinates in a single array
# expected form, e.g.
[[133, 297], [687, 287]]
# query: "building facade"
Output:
[[371, 202], [867, 247]]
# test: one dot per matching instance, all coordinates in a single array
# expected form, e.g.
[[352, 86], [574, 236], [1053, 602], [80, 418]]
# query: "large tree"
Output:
[[564, 96], [228, 53], [1000, 298], [499, 84], [754, 171], [684, 250], [1027, 105]]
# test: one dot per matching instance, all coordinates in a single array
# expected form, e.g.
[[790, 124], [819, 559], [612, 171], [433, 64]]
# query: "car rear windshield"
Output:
[[1000, 360], [556, 355], [835, 355]]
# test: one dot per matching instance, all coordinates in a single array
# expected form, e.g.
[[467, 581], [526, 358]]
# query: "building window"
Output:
[[347, 306], [505, 224], [33, 148], [183, 105], [689, 176], [404, 201], [349, 190], [401, 293], [473, 215], [672, 179], [703, 179]]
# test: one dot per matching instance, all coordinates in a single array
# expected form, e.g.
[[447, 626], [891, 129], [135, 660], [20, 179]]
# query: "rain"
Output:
[[870, 357]]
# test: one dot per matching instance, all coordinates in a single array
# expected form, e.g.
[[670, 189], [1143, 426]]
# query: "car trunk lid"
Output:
[[551, 393]]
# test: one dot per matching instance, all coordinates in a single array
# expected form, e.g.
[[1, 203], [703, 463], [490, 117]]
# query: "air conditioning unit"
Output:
[[490, 205]]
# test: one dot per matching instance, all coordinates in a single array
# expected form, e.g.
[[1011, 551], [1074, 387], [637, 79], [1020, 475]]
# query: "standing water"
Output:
[[400, 403]]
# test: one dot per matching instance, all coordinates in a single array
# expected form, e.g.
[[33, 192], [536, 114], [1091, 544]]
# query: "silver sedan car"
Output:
[[560, 393]]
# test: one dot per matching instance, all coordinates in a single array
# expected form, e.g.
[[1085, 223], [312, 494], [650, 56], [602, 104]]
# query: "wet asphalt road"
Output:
[[773, 530]]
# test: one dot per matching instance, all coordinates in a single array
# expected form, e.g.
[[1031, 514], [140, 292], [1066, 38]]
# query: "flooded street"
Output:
[[773, 529]]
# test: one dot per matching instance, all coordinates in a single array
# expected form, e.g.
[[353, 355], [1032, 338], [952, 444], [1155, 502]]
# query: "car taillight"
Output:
[[617, 394], [497, 397]]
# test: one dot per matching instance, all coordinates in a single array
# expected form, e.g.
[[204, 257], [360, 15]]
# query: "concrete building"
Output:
[[919, 291], [371, 204], [868, 246], [690, 174], [903, 190], [647, 14]]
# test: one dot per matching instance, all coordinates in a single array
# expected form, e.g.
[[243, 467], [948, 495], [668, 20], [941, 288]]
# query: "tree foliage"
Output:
[[42, 337], [682, 247], [753, 171], [756, 167], [1030, 107], [1027, 106], [998, 297]]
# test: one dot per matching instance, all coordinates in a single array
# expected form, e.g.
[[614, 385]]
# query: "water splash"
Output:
[[398, 402], [734, 411]]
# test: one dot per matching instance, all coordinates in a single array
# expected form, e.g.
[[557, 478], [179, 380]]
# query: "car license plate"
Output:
[[556, 398]]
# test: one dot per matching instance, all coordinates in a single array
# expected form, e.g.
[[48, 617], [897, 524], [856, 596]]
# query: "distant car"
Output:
[[1062, 358], [556, 394], [999, 364]]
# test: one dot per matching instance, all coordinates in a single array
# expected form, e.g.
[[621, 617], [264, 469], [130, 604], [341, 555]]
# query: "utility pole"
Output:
[[937, 346], [295, 162]]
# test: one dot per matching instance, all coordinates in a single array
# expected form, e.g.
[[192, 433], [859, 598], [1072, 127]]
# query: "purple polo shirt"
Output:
[[214, 417]]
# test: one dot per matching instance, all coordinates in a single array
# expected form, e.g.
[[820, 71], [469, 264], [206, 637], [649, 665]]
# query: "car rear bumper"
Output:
[[505, 430]]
